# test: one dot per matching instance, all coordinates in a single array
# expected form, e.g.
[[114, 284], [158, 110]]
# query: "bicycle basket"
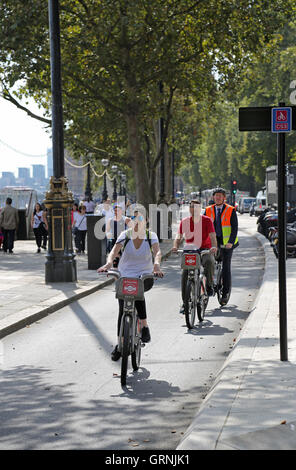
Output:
[[129, 287], [190, 261]]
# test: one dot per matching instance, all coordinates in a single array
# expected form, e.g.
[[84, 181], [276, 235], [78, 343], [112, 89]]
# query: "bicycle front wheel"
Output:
[[125, 348], [136, 354], [190, 305]]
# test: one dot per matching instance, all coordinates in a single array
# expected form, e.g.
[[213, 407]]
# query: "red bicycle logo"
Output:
[[130, 287], [190, 260]]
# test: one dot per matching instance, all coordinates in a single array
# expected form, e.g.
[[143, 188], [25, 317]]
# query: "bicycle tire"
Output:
[[189, 305], [203, 303], [219, 285], [220, 290], [125, 349], [136, 354]]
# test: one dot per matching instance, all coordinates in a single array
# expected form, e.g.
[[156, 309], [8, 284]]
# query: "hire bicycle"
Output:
[[129, 290], [196, 298], [218, 280]]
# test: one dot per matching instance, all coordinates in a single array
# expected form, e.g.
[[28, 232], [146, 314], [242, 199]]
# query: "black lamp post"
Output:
[[162, 167], [123, 176], [60, 265], [87, 192], [105, 163], [114, 169]]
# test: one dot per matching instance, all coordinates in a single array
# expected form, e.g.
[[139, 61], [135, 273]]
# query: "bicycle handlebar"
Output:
[[201, 252], [117, 275]]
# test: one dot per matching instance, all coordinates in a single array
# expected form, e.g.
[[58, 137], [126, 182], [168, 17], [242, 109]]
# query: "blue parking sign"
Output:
[[281, 119]]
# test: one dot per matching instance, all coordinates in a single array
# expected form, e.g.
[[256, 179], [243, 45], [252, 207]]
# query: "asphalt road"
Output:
[[60, 390]]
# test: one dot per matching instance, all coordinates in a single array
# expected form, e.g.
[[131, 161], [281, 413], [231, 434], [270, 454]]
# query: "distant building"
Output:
[[24, 173], [8, 178], [24, 177], [49, 163], [39, 174], [76, 176]]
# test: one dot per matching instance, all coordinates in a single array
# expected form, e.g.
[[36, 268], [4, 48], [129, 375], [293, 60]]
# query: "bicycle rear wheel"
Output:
[[136, 354], [125, 348], [190, 305]]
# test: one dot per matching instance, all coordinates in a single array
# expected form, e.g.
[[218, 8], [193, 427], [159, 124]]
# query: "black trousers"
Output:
[[226, 255], [80, 240], [8, 239], [40, 235], [139, 304]]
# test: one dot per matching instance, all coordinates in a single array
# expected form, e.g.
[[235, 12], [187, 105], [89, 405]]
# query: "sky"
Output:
[[25, 135]]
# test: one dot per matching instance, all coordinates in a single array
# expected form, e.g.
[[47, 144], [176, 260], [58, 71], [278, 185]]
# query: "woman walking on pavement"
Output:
[[39, 225], [79, 229]]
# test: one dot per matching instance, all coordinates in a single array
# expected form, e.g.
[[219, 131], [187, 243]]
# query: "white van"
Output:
[[245, 204], [260, 205]]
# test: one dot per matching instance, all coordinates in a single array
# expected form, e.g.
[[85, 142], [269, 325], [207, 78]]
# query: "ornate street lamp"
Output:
[[60, 265], [105, 163]]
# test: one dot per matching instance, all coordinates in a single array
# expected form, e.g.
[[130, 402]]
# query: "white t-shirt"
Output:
[[37, 219], [79, 220], [135, 262], [90, 206]]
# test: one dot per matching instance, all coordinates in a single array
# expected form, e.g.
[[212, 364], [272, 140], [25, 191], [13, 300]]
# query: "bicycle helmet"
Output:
[[219, 190]]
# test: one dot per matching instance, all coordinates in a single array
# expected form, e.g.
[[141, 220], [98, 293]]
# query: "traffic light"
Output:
[[233, 186]]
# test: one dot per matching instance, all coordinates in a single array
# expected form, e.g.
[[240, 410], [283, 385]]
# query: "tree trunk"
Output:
[[139, 166]]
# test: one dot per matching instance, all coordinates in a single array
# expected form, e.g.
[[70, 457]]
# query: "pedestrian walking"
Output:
[[40, 227], [90, 205], [79, 229], [115, 225], [9, 221]]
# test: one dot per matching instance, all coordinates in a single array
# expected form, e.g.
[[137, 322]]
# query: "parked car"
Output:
[[245, 204]]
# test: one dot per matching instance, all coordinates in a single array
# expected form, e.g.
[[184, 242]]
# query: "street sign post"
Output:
[[278, 120]]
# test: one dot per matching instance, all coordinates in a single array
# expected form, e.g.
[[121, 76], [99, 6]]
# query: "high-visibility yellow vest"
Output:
[[225, 221]]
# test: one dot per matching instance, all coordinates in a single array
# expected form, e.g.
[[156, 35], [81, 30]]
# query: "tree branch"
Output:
[[8, 97]]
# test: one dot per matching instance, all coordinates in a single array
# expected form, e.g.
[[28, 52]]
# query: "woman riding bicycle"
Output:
[[137, 245]]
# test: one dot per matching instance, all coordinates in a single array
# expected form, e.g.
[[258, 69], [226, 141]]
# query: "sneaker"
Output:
[[210, 291], [44, 247], [145, 334], [39, 250], [224, 299], [10, 251], [115, 355]]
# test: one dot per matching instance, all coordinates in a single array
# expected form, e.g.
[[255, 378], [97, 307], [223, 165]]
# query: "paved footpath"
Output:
[[252, 404], [24, 296]]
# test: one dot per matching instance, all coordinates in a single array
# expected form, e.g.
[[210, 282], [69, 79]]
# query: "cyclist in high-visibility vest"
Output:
[[224, 218]]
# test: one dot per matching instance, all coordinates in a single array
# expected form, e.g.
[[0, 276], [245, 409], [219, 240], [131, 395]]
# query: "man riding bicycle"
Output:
[[137, 245], [199, 232], [224, 218]]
